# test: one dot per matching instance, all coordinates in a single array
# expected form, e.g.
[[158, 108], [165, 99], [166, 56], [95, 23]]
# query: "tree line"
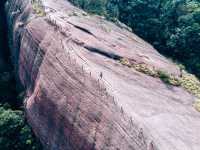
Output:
[[171, 26]]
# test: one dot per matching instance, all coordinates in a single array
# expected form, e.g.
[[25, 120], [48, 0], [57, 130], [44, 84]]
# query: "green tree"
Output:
[[172, 26], [92, 6], [14, 132]]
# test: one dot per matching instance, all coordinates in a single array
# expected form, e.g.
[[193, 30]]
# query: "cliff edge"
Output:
[[81, 95]]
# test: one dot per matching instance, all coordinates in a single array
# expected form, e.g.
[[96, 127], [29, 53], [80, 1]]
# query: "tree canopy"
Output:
[[14, 131], [172, 26]]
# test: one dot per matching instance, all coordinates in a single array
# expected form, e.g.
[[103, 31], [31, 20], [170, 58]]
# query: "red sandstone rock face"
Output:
[[80, 97]]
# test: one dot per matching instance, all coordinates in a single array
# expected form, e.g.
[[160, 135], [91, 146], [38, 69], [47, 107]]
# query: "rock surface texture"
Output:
[[80, 97]]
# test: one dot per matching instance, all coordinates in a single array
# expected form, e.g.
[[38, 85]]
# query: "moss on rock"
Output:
[[188, 81], [38, 8]]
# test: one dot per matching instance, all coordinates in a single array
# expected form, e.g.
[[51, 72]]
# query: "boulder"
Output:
[[81, 97]]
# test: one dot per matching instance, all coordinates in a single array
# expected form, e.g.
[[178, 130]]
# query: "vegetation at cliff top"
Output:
[[38, 8], [188, 81], [172, 26]]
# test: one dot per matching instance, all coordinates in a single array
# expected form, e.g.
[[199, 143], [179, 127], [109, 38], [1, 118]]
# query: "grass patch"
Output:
[[163, 75], [139, 67], [197, 105], [38, 8], [191, 83], [167, 78], [145, 69], [188, 81]]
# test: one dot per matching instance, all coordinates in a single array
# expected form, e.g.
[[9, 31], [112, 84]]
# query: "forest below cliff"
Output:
[[15, 133], [171, 26]]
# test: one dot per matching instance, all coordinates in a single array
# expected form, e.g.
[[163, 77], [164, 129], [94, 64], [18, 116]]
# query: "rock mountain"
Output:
[[79, 94]]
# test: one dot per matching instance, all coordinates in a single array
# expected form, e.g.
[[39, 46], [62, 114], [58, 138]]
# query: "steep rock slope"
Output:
[[79, 96]]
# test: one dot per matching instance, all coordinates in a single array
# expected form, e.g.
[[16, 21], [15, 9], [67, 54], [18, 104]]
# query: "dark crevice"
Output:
[[8, 91], [4, 48], [82, 29], [104, 53], [14, 130]]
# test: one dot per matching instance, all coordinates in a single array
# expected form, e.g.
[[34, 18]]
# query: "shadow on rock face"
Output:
[[8, 91]]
